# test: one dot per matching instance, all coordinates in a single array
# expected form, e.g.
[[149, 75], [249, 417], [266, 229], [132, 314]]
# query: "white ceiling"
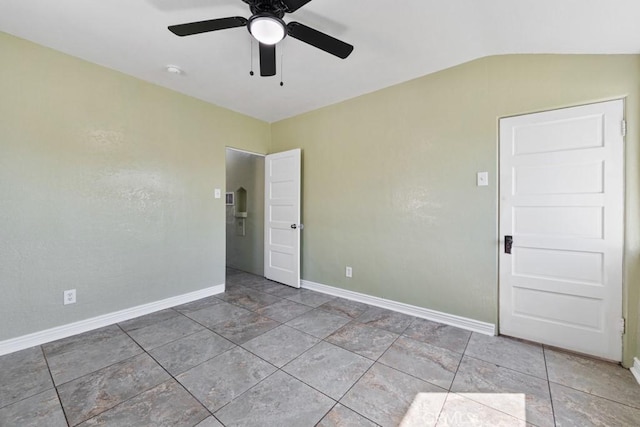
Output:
[[395, 41]]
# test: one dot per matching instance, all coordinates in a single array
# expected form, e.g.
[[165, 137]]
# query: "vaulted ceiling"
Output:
[[394, 41]]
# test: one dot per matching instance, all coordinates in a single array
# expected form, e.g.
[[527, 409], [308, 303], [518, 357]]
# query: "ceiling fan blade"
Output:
[[267, 60], [320, 40], [206, 26], [293, 5]]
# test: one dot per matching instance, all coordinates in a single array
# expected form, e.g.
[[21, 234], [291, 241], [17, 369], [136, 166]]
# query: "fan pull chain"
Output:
[[251, 68], [282, 65]]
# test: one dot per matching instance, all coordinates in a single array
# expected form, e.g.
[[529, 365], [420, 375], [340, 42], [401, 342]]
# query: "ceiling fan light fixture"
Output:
[[267, 29]]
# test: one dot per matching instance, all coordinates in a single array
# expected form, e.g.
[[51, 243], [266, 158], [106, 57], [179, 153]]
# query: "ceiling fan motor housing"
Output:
[[274, 8]]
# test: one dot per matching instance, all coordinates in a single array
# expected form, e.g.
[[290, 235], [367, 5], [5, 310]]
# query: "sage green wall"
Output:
[[246, 252], [106, 186], [389, 178]]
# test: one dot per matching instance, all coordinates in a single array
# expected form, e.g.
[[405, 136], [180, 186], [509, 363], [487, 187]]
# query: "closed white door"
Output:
[[561, 202], [282, 218]]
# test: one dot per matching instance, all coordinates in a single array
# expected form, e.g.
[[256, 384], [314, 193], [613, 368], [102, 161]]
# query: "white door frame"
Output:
[[299, 226]]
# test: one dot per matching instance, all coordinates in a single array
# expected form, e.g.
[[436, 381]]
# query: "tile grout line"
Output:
[[247, 390], [337, 401], [609, 399], [53, 385], [546, 368], [99, 369], [350, 388], [258, 356], [411, 375], [64, 412], [377, 360], [502, 367], [168, 342], [363, 374], [396, 339], [182, 385], [595, 395], [124, 360], [174, 378], [280, 369], [505, 367], [454, 378]]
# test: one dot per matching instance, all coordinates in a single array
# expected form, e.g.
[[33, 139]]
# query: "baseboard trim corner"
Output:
[[412, 310], [635, 369], [42, 337]]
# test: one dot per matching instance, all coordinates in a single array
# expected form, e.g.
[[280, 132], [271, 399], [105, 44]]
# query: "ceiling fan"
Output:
[[268, 28]]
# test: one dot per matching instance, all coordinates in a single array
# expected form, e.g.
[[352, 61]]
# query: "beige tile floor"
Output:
[[263, 354]]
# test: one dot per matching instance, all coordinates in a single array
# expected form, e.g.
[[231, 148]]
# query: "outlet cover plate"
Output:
[[69, 296], [348, 271]]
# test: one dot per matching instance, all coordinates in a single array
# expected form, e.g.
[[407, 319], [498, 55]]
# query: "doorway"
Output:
[[245, 211], [561, 228]]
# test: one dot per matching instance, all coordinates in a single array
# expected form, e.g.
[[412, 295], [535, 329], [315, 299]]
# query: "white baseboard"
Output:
[[412, 310], [635, 369], [64, 331]]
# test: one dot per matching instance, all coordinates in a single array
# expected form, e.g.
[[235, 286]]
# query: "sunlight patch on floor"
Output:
[[466, 409]]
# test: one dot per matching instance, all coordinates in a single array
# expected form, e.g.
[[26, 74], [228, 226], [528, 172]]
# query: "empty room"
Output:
[[319, 213]]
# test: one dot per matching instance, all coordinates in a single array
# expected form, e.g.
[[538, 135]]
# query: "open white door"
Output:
[[561, 203], [282, 217]]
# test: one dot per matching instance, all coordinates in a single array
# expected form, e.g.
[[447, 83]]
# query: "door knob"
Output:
[[508, 244]]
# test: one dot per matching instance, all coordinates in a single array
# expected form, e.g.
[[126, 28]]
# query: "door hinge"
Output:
[[624, 128], [622, 324]]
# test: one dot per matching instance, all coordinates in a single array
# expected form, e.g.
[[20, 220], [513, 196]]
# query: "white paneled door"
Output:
[[561, 219], [282, 218]]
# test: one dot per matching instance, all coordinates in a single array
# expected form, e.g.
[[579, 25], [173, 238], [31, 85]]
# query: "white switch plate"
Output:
[[217, 193], [348, 271], [483, 179]]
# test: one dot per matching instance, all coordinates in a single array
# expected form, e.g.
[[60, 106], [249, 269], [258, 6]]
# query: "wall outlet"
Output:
[[348, 271], [217, 193], [69, 296]]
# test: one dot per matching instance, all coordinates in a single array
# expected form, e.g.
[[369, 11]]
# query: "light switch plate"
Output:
[[482, 179], [217, 193]]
